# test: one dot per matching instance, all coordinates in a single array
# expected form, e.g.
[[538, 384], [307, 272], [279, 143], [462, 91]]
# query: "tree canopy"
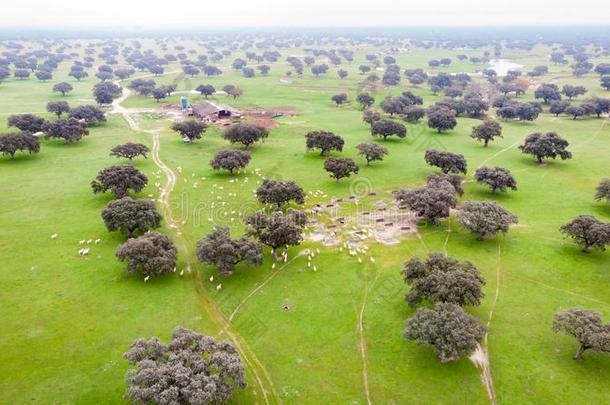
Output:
[[119, 180], [230, 159], [386, 128], [448, 329], [549, 145], [277, 229], [218, 249], [371, 152], [279, 193], [497, 178], [246, 134], [487, 131], [129, 150], [191, 369], [340, 167], [190, 129], [129, 216], [588, 231], [448, 162], [603, 190], [12, 143], [442, 278], [586, 327], [442, 119], [324, 141], [70, 130], [485, 218], [431, 202], [151, 254]]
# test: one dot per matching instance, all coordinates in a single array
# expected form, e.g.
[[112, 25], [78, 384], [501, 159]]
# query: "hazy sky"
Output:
[[222, 13]]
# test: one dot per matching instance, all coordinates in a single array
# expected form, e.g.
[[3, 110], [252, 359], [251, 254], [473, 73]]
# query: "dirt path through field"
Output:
[[264, 382], [362, 339], [481, 355]]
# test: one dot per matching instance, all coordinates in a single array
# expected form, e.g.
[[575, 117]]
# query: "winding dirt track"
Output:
[[362, 339], [264, 383], [481, 355]]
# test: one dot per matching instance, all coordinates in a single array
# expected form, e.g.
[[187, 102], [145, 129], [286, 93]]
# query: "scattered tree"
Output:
[[365, 100], [454, 180], [487, 131], [21, 141], [218, 249], [497, 178], [588, 231], [89, 114], [70, 130], [549, 145], [151, 254], [119, 180], [448, 162], [130, 216], [279, 192], [573, 91], [129, 150], [277, 229], [448, 328], [192, 369], [386, 128], [26, 122], [443, 279], [548, 92], [58, 107], [339, 99], [325, 141], [431, 202], [230, 159], [585, 326], [485, 218], [340, 167], [105, 92], [371, 152], [246, 134], [191, 130], [369, 116], [442, 119], [558, 107], [603, 190], [206, 90], [63, 88]]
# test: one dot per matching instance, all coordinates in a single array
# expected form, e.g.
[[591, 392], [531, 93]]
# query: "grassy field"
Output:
[[67, 319]]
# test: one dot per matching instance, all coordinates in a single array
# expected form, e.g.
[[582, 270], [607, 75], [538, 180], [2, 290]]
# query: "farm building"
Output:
[[212, 112]]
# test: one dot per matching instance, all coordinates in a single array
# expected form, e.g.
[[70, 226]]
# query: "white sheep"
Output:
[[218, 287]]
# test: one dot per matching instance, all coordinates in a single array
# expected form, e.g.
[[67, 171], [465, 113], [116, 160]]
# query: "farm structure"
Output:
[[209, 111]]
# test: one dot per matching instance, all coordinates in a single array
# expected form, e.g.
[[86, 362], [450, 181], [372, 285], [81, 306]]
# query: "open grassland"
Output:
[[67, 319]]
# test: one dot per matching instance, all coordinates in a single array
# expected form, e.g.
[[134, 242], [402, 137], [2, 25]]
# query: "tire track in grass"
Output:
[[480, 357], [593, 137], [209, 305], [264, 283], [498, 153], [362, 339]]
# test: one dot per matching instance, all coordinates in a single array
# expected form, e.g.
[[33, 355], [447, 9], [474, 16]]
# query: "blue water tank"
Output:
[[184, 103]]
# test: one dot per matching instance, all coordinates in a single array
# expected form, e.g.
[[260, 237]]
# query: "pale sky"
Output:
[[290, 13]]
